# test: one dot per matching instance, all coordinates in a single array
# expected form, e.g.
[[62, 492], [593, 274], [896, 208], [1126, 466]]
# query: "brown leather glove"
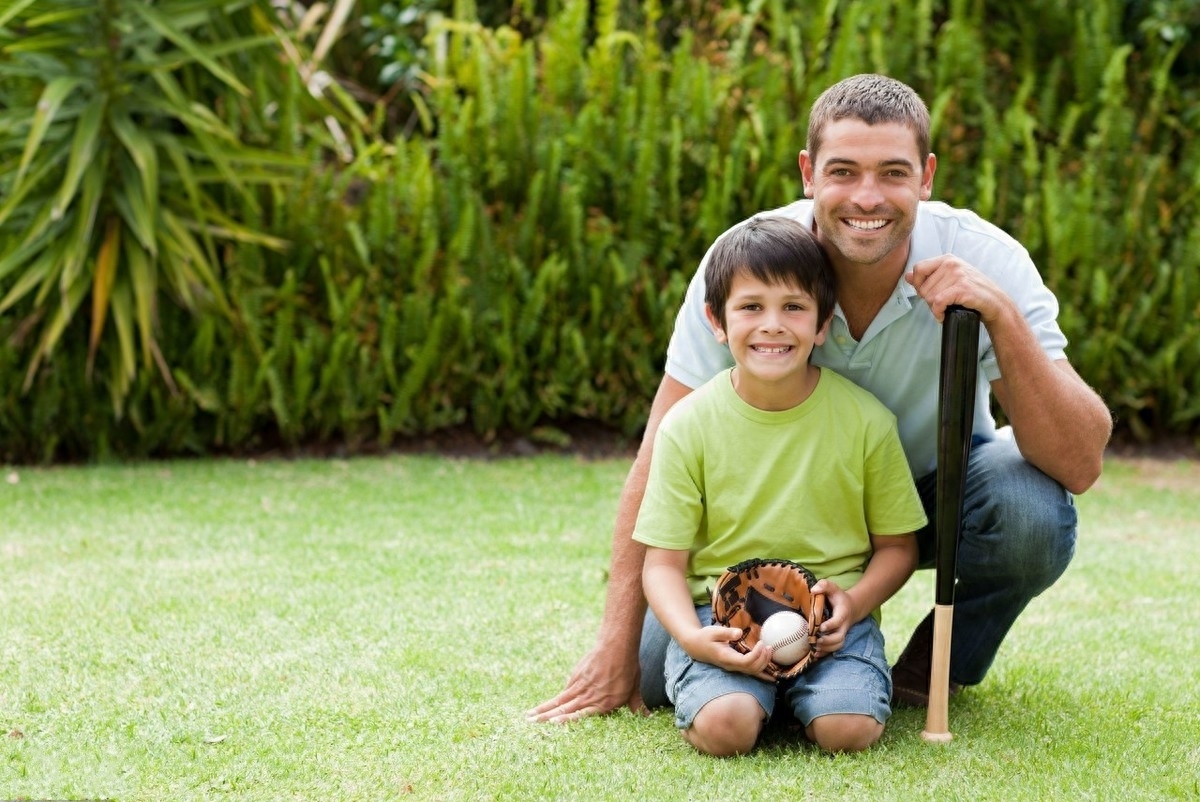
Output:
[[751, 591]]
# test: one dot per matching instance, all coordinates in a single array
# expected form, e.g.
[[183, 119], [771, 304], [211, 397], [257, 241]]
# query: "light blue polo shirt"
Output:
[[898, 357]]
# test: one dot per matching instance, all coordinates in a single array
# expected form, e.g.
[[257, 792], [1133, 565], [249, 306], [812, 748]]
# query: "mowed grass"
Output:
[[375, 629]]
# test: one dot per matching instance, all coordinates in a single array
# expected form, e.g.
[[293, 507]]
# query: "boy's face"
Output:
[[771, 330], [866, 182]]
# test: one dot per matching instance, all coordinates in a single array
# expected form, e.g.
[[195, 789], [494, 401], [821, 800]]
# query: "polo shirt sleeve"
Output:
[[1021, 280], [694, 356]]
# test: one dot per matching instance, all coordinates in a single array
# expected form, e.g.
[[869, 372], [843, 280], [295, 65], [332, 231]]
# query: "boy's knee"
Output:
[[728, 725], [844, 732]]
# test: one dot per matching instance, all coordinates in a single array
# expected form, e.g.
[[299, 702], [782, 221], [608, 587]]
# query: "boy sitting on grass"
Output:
[[776, 458]]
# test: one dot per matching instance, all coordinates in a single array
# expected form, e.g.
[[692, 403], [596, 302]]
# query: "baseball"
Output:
[[787, 635]]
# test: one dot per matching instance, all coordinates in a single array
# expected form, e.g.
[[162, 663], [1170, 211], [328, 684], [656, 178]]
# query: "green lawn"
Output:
[[375, 629]]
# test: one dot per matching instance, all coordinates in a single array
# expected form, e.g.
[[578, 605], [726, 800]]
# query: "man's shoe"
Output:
[[910, 675]]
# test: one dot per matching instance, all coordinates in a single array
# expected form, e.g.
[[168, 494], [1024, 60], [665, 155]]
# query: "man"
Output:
[[900, 262]]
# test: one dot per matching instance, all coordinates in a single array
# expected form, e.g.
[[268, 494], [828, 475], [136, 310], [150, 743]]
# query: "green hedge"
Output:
[[517, 261]]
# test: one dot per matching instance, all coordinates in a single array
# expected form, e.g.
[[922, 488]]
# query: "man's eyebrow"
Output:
[[845, 160]]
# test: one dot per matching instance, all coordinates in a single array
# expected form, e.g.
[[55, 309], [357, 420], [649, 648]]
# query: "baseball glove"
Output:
[[751, 591]]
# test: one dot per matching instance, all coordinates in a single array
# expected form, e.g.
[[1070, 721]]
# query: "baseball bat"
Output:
[[956, 413]]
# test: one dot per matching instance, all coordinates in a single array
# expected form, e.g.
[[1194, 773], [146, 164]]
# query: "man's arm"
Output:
[[1061, 425], [607, 676]]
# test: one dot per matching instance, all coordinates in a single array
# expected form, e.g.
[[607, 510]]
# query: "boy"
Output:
[[776, 457]]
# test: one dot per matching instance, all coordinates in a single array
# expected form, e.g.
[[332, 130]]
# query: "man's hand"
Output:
[[945, 280], [600, 683]]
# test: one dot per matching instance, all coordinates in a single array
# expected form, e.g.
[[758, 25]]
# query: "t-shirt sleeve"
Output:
[[673, 504], [891, 501]]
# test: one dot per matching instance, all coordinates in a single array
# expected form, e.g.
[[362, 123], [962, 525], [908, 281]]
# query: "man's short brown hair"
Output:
[[874, 99]]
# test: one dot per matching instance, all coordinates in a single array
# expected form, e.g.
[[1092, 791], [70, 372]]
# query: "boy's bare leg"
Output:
[[844, 732], [728, 725]]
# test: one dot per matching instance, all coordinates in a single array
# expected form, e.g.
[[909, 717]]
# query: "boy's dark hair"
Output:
[[774, 250], [874, 99]]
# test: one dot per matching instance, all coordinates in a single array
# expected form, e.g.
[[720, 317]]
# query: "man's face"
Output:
[[866, 182]]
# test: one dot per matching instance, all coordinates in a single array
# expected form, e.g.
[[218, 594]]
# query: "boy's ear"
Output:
[[718, 331], [823, 332]]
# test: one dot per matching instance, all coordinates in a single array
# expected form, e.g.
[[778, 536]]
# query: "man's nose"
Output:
[[867, 193]]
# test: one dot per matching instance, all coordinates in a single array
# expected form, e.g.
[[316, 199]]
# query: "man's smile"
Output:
[[865, 224]]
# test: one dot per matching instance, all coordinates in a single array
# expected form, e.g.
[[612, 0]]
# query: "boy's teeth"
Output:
[[778, 349]]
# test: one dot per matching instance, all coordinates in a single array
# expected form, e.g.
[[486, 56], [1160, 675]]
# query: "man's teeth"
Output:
[[777, 349], [866, 225]]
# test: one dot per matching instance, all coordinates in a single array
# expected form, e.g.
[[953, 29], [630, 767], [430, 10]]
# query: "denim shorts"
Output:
[[854, 679]]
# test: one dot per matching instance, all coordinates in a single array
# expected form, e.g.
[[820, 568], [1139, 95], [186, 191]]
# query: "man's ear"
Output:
[[927, 177], [718, 331], [806, 173]]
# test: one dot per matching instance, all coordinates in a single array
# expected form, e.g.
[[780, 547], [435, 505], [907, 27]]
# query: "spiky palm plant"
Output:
[[124, 159]]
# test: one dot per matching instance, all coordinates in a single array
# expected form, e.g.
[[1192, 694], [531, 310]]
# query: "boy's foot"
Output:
[[910, 675]]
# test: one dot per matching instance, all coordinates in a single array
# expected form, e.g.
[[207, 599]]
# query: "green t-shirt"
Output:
[[811, 484]]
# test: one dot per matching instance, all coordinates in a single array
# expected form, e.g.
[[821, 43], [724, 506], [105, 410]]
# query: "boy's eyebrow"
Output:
[[792, 294]]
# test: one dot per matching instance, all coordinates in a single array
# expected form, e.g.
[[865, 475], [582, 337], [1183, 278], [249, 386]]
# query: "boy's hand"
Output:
[[711, 645], [831, 635]]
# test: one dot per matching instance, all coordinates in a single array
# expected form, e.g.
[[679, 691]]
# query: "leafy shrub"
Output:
[[515, 260]]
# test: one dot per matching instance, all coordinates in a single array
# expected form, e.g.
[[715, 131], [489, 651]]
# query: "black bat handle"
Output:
[[956, 413]]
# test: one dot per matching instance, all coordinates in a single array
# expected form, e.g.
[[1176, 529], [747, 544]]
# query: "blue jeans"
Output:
[[1018, 538], [854, 679]]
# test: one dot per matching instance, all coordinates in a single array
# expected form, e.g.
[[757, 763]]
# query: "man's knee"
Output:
[[1024, 520], [728, 725]]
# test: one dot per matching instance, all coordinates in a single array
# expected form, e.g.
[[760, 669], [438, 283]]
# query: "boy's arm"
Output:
[[892, 562], [665, 579]]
